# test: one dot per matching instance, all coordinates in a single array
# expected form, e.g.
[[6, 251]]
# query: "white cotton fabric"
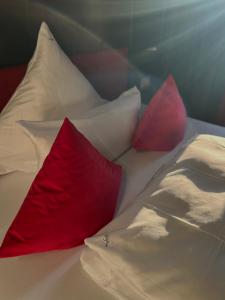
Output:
[[16, 150], [170, 244], [109, 127], [51, 89]]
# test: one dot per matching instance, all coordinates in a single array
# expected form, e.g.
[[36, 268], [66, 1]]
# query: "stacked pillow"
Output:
[[76, 189], [52, 89]]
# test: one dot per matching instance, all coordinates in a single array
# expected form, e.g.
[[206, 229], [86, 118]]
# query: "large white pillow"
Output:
[[52, 87], [108, 127]]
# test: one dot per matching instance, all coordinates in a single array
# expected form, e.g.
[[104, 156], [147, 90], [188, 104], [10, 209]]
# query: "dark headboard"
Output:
[[184, 38], [80, 26]]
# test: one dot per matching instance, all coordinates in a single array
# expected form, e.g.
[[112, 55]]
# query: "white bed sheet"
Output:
[[58, 275]]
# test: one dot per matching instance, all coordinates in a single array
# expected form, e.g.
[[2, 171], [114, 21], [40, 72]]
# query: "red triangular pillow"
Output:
[[163, 124], [71, 198]]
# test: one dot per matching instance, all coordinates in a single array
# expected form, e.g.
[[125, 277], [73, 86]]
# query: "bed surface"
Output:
[[58, 274]]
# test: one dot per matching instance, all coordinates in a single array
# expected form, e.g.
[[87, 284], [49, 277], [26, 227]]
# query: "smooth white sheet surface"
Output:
[[58, 275]]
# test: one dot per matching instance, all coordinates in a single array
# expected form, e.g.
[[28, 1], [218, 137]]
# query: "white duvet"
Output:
[[169, 245]]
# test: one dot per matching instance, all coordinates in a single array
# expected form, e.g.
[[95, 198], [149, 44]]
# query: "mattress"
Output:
[[58, 275]]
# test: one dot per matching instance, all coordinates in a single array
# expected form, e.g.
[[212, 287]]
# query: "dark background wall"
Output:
[[182, 37]]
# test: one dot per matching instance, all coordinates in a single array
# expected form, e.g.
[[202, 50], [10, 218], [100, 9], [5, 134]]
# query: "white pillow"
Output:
[[52, 87], [108, 127]]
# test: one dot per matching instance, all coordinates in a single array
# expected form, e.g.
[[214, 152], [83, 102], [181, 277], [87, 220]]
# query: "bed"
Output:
[[59, 274]]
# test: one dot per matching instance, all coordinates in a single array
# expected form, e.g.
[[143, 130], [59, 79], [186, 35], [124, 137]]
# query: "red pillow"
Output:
[[10, 78], [72, 197], [163, 124]]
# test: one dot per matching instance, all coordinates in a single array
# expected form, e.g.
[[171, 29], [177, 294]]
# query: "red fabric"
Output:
[[72, 197], [107, 70], [163, 124], [9, 80]]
